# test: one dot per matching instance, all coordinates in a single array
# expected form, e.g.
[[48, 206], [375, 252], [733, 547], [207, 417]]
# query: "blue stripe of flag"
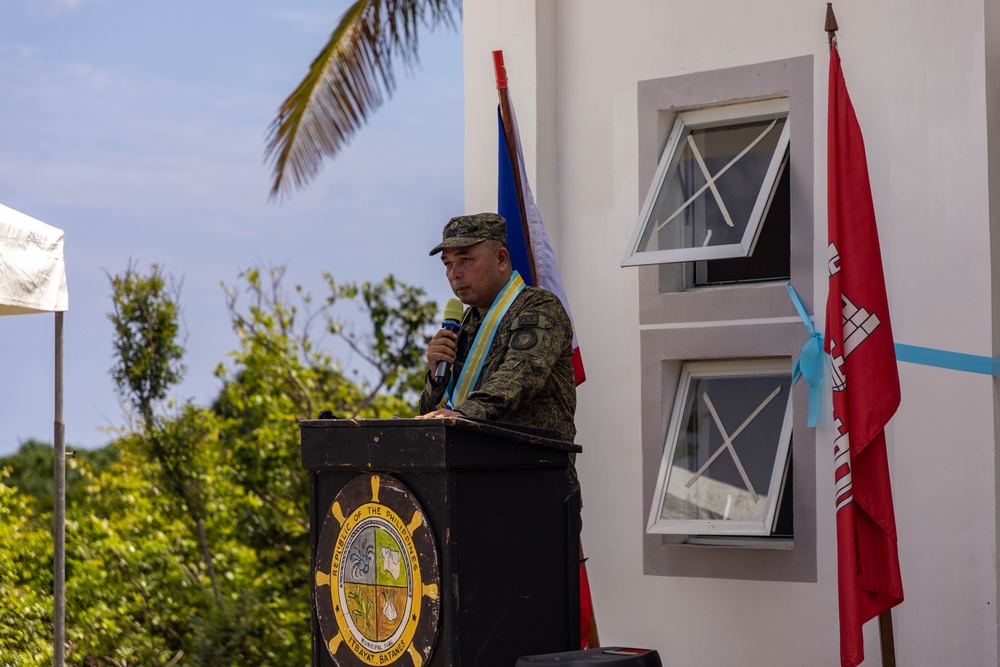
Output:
[[509, 208]]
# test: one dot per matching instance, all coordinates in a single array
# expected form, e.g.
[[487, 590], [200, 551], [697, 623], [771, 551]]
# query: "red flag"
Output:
[[865, 381]]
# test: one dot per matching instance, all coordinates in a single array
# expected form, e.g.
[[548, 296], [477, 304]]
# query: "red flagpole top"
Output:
[[499, 70]]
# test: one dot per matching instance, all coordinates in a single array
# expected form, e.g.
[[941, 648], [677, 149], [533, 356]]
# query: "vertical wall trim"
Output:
[[992, 56]]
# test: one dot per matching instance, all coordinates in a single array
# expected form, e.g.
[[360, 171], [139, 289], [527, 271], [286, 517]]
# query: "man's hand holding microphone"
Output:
[[442, 349]]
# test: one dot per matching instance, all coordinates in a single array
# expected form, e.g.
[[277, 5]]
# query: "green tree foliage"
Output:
[[187, 542], [147, 354], [32, 470], [395, 346], [26, 581]]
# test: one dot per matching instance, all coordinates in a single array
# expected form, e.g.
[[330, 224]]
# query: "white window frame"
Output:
[[702, 118], [725, 368]]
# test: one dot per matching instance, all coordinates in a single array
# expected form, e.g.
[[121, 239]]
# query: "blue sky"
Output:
[[138, 128]]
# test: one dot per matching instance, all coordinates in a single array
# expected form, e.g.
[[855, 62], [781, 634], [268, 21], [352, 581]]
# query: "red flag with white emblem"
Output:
[[865, 381]]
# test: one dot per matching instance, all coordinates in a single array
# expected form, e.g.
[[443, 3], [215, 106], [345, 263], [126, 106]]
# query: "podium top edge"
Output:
[[520, 433]]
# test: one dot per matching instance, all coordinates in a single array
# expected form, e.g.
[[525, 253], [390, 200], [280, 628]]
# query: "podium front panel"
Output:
[[504, 511]]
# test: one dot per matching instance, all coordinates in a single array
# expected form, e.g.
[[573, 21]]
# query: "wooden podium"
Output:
[[499, 507]]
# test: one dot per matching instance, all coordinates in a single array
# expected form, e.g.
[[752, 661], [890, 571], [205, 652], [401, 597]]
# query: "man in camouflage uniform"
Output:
[[527, 374]]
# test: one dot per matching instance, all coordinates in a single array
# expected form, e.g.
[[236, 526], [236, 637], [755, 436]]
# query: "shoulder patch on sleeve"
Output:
[[532, 321], [524, 340]]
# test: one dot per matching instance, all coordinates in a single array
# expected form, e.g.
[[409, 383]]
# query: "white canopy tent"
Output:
[[33, 280], [32, 269]]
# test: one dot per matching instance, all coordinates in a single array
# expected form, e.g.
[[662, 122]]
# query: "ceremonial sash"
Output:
[[459, 390]]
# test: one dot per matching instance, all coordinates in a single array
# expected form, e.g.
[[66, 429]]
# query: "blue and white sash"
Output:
[[458, 390]]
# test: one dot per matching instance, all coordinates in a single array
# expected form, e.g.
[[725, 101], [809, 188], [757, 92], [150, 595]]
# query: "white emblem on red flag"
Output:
[[842, 466]]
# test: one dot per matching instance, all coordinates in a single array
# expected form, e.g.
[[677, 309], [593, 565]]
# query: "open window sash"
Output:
[[725, 458], [713, 185]]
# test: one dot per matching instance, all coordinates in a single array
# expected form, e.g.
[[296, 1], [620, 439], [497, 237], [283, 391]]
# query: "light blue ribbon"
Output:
[[811, 361], [956, 361]]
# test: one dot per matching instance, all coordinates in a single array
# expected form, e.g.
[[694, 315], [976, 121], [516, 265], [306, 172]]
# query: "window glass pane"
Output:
[[726, 448], [784, 523], [771, 256], [712, 185]]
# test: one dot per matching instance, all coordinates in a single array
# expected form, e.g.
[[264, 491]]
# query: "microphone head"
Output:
[[453, 310]]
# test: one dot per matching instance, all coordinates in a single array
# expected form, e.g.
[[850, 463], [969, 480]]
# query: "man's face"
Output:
[[477, 273]]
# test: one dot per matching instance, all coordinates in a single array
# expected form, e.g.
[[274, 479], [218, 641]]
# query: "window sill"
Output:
[[740, 542]]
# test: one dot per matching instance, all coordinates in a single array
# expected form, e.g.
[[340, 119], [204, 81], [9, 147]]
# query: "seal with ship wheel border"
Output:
[[376, 580]]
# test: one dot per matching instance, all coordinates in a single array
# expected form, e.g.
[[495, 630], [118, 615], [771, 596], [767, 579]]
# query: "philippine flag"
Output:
[[512, 178]]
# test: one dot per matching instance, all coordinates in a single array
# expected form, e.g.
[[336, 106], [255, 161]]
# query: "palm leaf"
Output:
[[350, 78]]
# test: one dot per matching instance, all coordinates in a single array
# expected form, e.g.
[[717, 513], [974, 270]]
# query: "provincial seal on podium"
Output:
[[376, 585]]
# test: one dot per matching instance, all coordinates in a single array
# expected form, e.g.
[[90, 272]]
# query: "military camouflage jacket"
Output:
[[527, 377]]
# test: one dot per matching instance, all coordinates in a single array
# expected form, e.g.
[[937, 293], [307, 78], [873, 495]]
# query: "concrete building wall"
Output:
[[925, 92]]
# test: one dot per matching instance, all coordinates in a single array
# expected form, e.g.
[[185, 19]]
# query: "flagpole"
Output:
[[885, 632], [592, 640], [506, 119], [885, 636], [59, 509]]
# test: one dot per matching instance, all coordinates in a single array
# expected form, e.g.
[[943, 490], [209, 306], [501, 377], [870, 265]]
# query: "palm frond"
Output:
[[350, 78]]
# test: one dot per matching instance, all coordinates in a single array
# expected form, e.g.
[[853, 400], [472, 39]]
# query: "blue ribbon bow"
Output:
[[811, 361]]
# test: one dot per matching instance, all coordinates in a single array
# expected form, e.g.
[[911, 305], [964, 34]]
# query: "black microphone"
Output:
[[452, 322]]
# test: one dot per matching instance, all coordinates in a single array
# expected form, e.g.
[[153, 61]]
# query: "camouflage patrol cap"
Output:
[[471, 229]]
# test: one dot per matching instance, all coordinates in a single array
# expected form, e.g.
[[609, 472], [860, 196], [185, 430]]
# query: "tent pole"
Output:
[[59, 518]]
